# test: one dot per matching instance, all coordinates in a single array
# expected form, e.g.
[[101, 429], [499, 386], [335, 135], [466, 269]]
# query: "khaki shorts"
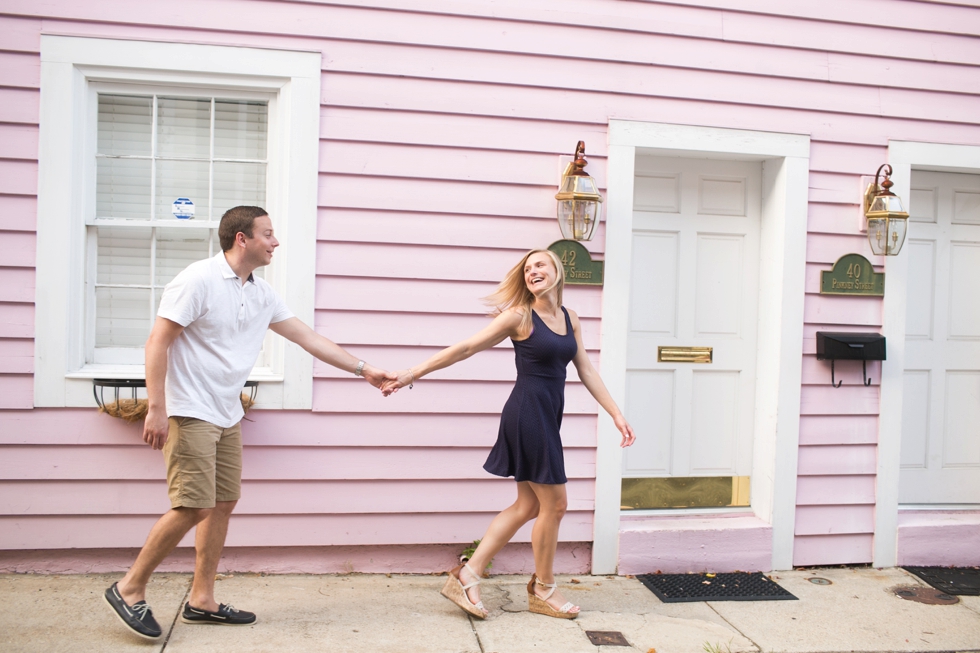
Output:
[[204, 463]]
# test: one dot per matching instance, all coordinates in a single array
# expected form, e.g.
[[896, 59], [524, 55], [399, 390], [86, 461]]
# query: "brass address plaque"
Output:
[[684, 354]]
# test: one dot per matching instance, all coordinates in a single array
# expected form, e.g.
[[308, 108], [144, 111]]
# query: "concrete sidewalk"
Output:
[[403, 614]]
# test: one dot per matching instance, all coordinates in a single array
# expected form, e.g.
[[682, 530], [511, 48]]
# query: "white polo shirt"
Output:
[[224, 323]]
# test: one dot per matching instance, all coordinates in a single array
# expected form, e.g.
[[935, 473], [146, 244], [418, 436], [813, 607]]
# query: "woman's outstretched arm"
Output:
[[593, 383], [503, 326]]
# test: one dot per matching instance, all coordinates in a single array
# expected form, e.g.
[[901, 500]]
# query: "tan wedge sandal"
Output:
[[455, 591], [540, 605]]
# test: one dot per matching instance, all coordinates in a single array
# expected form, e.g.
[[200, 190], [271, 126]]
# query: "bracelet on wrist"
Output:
[[411, 384], [359, 370]]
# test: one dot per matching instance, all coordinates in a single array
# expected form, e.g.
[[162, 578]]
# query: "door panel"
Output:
[[921, 289], [964, 291], [915, 417], [961, 440], [660, 192], [694, 284], [966, 207], [718, 306], [941, 405], [714, 422], [721, 196], [650, 394], [655, 258]]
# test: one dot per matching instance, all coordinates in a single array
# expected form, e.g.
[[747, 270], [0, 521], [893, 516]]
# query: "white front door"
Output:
[[694, 283], [941, 399]]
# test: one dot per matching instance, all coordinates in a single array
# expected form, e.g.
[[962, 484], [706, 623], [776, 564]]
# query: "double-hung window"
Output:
[[143, 146], [168, 165]]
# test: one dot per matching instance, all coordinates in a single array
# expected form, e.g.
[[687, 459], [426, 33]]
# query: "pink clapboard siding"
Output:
[[517, 558], [441, 126], [289, 497], [88, 531]]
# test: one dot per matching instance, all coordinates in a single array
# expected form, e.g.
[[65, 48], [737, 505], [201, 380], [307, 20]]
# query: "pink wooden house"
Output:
[[409, 153]]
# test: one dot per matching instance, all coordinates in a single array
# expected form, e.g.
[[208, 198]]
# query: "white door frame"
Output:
[[785, 176], [903, 156]]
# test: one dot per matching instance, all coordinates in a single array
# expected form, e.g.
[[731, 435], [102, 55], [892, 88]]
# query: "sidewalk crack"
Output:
[[170, 631], [734, 627], [476, 634]]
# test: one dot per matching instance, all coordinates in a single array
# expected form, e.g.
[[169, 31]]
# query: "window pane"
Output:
[[125, 125], [182, 179], [178, 248], [123, 188], [237, 184], [122, 317], [240, 129], [124, 256], [184, 128]]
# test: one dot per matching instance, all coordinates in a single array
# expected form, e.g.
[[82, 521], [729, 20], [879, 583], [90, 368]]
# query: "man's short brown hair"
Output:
[[235, 220]]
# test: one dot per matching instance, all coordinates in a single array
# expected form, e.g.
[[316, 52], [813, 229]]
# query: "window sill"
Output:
[[260, 374]]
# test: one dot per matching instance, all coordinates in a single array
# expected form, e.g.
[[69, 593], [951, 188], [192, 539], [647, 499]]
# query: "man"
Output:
[[208, 332]]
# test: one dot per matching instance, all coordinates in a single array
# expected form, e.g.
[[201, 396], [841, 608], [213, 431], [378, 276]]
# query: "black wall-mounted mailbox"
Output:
[[850, 346], [863, 347]]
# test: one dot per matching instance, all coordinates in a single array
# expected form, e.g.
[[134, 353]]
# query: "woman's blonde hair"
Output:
[[514, 293]]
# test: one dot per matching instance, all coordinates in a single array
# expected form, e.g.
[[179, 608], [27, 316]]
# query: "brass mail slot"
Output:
[[684, 354]]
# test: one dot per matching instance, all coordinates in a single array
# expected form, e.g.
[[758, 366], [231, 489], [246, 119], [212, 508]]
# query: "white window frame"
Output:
[[72, 70]]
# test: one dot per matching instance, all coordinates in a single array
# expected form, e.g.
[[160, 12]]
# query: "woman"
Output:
[[546, 337]]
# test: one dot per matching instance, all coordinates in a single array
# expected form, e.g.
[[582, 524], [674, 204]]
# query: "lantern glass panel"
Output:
[[578, 218], [886, 203], [878, 235], [896, 235], [580, 184]]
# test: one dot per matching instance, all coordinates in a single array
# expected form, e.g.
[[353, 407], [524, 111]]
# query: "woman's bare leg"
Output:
[[553, 502], [501, 530]]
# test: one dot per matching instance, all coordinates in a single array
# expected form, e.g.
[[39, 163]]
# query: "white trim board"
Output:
[[903, 156], [785, 160], [70, 66]]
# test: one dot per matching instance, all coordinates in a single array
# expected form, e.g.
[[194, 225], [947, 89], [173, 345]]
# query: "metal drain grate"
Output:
[[606, 638], [681, 588], [951, 580], [927, 595]]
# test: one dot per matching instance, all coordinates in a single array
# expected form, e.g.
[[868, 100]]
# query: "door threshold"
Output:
[[687, 512]]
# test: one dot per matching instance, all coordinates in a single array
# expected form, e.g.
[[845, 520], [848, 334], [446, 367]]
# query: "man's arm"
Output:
[[295, 330], [156, 428]]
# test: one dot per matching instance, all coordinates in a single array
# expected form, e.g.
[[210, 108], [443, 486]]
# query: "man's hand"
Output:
[[376, 376], [156, 428]]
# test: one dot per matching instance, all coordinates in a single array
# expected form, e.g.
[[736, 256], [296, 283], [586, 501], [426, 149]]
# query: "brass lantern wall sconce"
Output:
[[579, 202], [887, 218]]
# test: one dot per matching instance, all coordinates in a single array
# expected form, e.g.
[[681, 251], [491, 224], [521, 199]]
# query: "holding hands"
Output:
[[376, 376], [400, 380]]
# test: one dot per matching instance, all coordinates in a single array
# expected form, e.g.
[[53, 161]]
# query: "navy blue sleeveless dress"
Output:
[[528, 443]]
